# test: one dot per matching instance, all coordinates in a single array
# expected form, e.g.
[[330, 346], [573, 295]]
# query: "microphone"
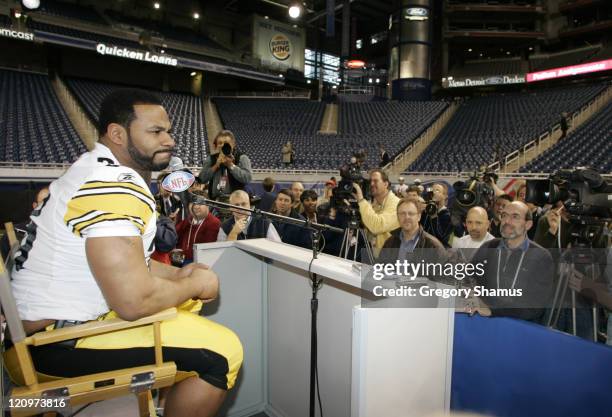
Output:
[[178, 181], [176, 164]]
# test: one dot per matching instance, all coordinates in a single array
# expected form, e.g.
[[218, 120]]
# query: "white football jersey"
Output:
[[96, 197]]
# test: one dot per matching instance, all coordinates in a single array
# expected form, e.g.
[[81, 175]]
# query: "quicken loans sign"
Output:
[[121, 52], [10, 33]]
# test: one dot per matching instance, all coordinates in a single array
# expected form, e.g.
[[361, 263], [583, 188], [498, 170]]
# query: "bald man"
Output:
[[297, 188], [520, 268], [477, 225], [242, 225]]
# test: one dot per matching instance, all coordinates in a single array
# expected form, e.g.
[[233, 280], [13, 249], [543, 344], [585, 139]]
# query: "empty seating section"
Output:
[[263, 126], [70, 10], [393, 125], [563, 60], [33, 124], [589, 145], [509, 121], [502, 67], [185, 113]]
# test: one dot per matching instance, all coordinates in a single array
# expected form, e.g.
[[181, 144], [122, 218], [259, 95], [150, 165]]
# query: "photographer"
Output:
[[437, 219], [380, 216], [227, 170]]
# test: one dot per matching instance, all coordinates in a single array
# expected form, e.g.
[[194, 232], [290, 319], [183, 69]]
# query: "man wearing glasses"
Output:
[[518, 273]]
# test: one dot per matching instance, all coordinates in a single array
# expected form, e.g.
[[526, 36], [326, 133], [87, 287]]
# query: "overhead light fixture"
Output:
[[163, 51], [370, 80], [377, 80], [295, 26], [156, 6], [334, 87], [266, 17], [280, 75], [308, 81], [470, 50], [31, 4], [295, 10], [531, 48], [480, 54], [193, 73], [196, 15], [508, 53], [17, 14]]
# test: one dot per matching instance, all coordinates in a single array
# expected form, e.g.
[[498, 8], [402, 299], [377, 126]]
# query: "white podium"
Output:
[[372, 362]]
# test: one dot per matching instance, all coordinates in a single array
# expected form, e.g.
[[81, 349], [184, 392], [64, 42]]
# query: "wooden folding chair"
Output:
[[88, 388]]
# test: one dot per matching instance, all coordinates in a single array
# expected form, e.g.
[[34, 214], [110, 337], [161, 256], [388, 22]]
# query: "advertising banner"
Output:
[[486, 80], [278, 45], [569, 71], [16, 34]]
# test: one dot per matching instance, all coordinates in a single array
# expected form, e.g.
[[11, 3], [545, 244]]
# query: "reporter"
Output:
[[379, 216]]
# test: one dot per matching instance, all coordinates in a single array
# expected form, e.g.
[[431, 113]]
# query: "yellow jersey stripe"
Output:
[[123, 205]]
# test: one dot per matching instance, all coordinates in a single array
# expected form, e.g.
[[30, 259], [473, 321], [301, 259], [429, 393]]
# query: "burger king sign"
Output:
[[280, 47]]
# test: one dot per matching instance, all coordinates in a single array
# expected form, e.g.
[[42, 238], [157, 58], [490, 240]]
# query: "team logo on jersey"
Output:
[[280, 46], [125, 177]]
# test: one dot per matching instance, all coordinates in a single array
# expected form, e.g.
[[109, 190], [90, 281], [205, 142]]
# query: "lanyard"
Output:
[[518, 268], [196, 233]]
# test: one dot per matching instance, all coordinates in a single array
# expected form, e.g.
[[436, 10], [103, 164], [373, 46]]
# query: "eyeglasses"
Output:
[[514, 216]]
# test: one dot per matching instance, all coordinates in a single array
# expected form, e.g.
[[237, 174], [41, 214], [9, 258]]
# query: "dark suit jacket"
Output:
[[267, 201], [174, 204]]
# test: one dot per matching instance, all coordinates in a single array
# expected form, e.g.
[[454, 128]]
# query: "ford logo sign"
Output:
[[178, 181], [417, 11]]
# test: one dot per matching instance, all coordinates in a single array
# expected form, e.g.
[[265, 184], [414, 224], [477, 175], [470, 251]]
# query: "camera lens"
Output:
[[226, 149]]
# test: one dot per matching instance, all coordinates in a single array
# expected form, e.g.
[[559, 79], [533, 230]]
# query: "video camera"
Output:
[[349, 174], [585, 194], [476, 191]]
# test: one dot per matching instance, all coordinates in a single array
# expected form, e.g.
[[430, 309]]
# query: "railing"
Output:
[[547, 139]]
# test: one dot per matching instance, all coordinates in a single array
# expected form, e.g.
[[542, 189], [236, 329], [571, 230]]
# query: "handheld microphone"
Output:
[[179, 181], [176, 164]]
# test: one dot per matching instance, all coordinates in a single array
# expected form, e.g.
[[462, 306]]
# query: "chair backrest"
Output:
[[9, 306]]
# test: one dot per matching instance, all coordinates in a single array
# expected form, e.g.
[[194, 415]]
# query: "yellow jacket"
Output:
[[379, 220]]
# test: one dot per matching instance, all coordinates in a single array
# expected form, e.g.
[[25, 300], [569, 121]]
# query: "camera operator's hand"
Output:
[[358, 194], [220, 161], [553, 217], [228, 161]]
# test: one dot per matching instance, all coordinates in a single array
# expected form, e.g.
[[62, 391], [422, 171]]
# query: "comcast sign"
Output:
[[16, 34]]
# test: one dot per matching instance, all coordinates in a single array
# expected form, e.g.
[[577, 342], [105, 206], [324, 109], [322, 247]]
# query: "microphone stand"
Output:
[[316, 230]]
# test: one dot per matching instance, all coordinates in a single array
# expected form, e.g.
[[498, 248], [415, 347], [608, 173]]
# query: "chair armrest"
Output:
[[96, 327]]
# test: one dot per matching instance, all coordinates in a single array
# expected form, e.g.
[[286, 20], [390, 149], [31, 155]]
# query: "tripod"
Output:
[[354, 231], [567, 270]]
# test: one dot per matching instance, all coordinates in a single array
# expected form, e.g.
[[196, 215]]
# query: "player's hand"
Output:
[[207, 283], [188, 270], [358, 194]]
